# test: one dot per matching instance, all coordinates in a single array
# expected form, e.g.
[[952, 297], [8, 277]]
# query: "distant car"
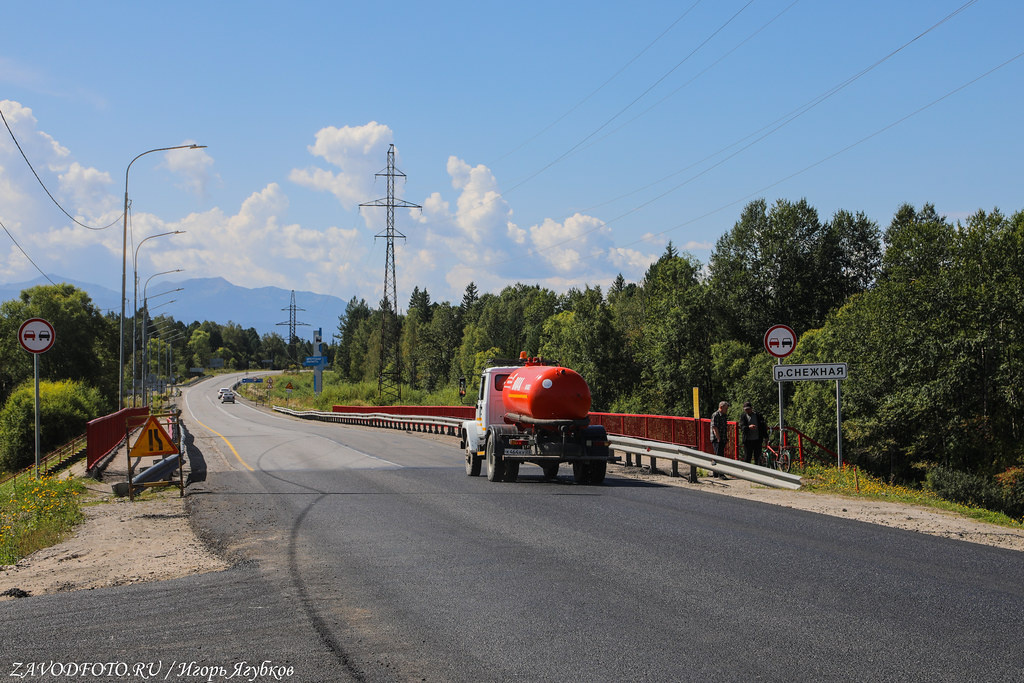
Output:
[[227, 397], [222, 391]]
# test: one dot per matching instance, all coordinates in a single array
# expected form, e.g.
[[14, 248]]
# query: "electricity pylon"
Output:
[[389, 380]]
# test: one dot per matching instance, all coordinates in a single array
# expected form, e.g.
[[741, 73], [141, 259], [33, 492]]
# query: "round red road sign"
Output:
[[36, 335], [780, 340]]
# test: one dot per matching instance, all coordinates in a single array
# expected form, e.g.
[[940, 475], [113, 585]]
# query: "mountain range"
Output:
[[267, 309]]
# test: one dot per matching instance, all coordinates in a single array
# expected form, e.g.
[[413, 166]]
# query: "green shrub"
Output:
[[64, 409], [979, 491]]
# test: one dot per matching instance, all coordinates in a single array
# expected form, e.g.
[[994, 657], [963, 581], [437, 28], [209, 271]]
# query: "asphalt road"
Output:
[[370, 555]]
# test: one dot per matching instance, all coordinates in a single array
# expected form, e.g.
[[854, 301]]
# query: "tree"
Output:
[[199, 346], [64, 409], [85, 345], [674, 351], [585, 339], [274, 349], [934, 349], [356, 312], [783, 265]]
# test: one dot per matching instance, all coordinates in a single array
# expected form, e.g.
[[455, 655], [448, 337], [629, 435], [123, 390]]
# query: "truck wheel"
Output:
[[495, 463], [580, 472], [473, 462], [511, 470], [550, 470], [598, 468]]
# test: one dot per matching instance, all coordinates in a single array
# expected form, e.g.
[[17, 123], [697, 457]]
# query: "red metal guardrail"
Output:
[[803, 453], [685, 431], [105, 433]]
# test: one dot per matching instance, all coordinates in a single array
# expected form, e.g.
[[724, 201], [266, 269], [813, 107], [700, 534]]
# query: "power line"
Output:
[[26, 254], [775, 125], [43, 185], [651, 87], [602, 86], [844, 149], [762, 190], [770, 129]]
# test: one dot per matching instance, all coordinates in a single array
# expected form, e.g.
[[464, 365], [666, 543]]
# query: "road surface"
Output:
[[370, 555]]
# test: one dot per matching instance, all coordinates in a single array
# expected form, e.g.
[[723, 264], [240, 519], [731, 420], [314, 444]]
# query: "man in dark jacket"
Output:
[[753, 432]]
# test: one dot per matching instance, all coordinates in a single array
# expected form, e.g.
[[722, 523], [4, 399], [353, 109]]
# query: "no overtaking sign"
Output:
[[36, 335]]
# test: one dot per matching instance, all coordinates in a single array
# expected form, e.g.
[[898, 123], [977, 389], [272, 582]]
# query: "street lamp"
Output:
[[135, 297], [124, 265], [145, 316], [145, 354]]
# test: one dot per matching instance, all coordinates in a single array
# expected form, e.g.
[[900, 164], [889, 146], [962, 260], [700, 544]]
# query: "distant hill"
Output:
[[217, 300]]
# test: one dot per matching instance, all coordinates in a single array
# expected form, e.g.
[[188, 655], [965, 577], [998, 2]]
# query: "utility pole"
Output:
[[389, 381], [292, 308]]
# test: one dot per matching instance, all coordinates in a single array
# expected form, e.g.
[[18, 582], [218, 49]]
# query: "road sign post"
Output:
[[36, 336], [780, 341], [817, 371]]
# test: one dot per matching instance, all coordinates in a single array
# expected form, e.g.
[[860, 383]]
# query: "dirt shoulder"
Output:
[[119, 543], [123, 543]]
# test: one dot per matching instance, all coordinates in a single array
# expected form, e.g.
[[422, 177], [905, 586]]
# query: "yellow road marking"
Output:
[[244, 463]]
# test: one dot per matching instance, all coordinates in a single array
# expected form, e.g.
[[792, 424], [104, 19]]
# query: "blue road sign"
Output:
[[312, 361]]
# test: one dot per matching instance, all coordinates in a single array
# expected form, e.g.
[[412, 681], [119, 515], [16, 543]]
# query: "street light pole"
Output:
[[145, 355], [124, 265], [135, 297]]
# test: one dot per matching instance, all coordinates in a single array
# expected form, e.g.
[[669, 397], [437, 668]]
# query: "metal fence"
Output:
[[106, 433]]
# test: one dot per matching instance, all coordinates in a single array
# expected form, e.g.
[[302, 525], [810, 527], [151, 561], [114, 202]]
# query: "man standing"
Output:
[[753, 431], [720, 428]]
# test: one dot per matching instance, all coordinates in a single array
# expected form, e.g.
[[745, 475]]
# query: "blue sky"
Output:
[[550, 143]]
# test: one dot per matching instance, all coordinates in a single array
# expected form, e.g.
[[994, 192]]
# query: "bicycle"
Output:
[[775, 458]]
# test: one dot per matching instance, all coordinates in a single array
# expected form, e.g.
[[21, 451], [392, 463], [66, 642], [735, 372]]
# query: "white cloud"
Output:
[[359, 151], [482, 212], [193, 166], [571, 246]]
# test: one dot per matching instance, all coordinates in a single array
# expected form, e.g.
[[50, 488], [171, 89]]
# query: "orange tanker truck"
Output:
[[534, 412]]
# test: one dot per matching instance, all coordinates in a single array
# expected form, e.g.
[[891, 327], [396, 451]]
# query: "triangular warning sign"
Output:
[[153, 440]]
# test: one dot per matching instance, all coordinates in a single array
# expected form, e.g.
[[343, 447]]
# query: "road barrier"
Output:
[[412, 423], [655, 450]]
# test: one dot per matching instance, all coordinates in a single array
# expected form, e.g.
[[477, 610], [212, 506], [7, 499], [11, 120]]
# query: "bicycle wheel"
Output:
[[783, 461]]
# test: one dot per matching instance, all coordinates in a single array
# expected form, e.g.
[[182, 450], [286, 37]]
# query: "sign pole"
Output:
[[782, 434], [780, 341], [35, 363], [839, 428]]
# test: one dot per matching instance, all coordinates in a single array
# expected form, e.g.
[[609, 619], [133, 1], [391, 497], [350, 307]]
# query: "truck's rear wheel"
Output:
[[473, 463], [495, 463], [511, 470], [590, 472], [550, 470]]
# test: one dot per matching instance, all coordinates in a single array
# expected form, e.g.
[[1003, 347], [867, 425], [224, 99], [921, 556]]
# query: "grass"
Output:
[[301, 396], [37, 514], [850, 481]]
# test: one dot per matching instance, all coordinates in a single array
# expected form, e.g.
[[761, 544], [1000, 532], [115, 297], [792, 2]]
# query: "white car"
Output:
[[227, 397], [222, 391]]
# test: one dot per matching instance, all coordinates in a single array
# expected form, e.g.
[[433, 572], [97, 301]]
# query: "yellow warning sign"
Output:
[[153, 440]]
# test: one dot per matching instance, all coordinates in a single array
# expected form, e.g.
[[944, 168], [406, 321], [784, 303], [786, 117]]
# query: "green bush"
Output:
[[64, 409], [979, 491]]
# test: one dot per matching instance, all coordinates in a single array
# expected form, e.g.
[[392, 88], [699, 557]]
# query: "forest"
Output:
[[925, 312]]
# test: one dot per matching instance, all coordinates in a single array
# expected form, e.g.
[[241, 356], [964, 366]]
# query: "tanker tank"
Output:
[[540, 393]]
